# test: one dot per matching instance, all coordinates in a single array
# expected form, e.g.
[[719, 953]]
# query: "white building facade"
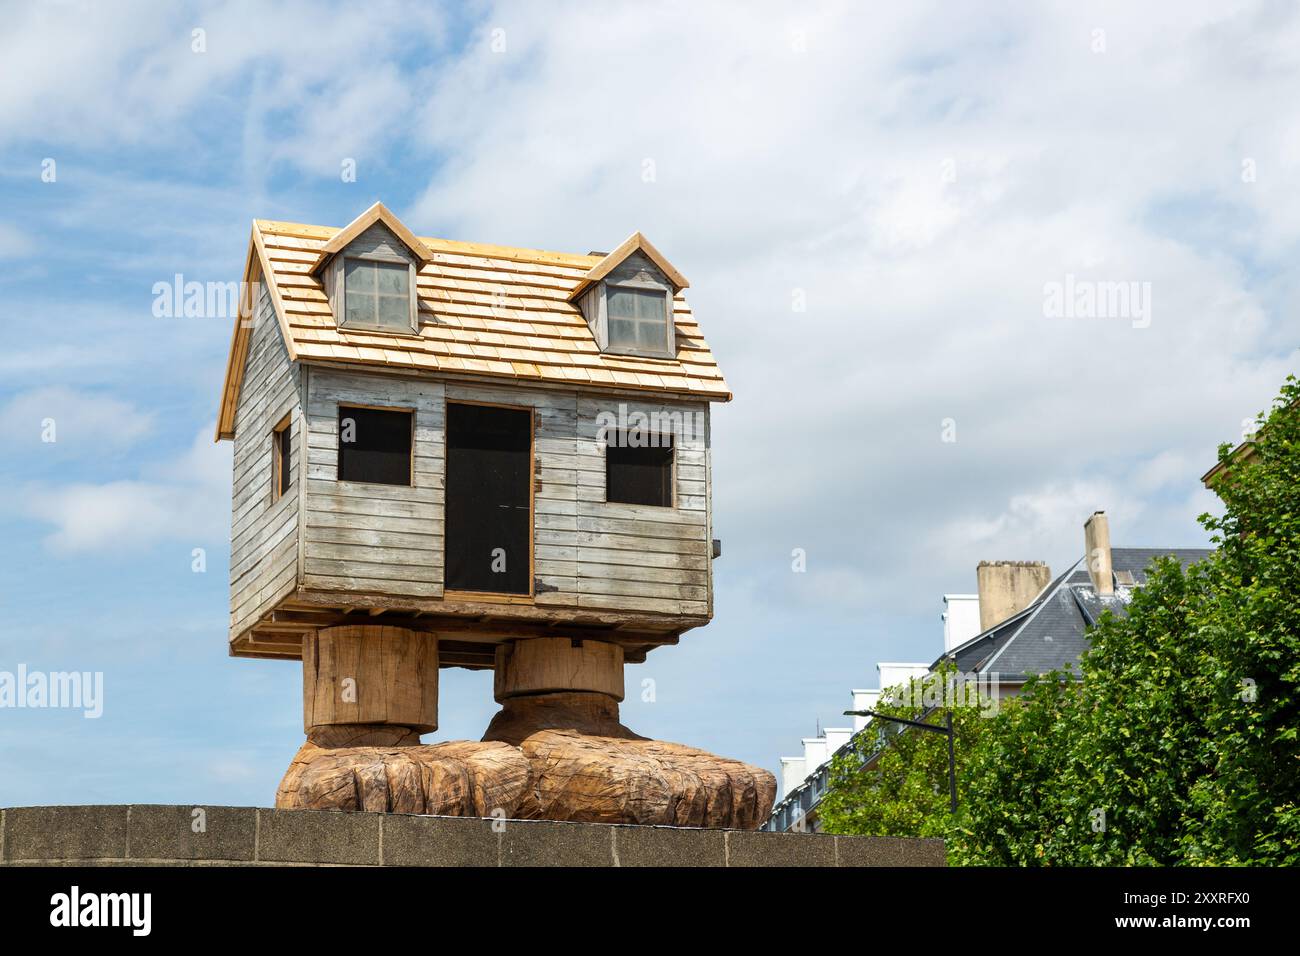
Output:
[[804, 779]]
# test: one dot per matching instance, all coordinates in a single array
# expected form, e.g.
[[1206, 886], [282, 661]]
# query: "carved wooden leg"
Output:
[[586, 766], [368, 694], [556, 751]]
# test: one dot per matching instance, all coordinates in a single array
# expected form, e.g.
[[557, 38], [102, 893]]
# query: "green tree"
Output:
[[1245, 808], [904, 790], [1014, 814], [1180, 744]]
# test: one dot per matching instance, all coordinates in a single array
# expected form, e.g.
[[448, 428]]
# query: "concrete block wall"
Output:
[[254, 836]]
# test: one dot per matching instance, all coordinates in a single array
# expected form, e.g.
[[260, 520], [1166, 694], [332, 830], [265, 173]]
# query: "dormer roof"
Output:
[[633, 243], [485, 311], [378, 213]]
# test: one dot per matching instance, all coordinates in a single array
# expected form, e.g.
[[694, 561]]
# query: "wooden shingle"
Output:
[[485, 310]]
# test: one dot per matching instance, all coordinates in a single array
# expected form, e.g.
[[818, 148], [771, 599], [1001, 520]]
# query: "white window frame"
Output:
[[341, 292]]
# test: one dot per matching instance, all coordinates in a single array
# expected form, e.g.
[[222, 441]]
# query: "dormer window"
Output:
[[368, 271], [377, 295], [627, 300], [638, 319]]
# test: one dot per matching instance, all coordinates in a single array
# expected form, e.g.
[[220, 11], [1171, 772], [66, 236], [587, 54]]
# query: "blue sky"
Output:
[[913, 177]]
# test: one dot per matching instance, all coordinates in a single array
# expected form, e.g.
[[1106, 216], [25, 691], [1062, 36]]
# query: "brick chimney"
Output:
[[1096, 550], [1006, 587]]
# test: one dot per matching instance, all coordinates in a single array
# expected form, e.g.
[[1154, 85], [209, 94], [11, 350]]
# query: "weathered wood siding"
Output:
[[263, 533], [638, 270], [592, 306], [389, 540], [620, 556], [359, 536]]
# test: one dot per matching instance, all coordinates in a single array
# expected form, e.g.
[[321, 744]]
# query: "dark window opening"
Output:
[[489, 499], [281, 451], [374, 445], [639, 469]]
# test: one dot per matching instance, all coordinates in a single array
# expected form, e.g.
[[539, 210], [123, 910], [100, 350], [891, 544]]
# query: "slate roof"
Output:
[[1051, 633]]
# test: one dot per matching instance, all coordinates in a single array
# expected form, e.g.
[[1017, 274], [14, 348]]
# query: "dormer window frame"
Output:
[[338, 273], [594, 305], [635, 264], [669, 349], [376, 236]]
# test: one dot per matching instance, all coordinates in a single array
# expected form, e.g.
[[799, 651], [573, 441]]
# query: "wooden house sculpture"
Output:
[[449, 454]]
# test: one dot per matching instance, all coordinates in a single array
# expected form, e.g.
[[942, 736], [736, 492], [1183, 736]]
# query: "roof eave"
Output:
[[720, 396], [256, 259], [1242, 454], [225, 430]]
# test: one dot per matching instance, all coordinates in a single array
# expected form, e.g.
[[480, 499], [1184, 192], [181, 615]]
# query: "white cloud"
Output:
[[1036, 520], [61, 420], [1167, 468], [96, 77], [188, 502], [234, 768], [14, 243], [918, 174]]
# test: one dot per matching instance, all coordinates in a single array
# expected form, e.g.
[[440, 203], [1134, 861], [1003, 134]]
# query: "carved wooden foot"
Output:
[[386, 768], [556, 751], [588, 767]]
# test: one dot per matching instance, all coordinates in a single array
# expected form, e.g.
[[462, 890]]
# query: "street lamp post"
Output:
[[946, 729]]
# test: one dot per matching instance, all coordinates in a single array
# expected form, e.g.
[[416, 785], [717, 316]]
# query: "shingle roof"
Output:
[[1051, 633], [485, 310]]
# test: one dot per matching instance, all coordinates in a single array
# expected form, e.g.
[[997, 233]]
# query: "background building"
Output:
[[1021, 622]]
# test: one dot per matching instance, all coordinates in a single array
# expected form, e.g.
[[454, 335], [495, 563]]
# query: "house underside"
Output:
[[467, 636]]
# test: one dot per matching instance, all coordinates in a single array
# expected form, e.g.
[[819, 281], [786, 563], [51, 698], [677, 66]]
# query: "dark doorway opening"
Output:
[[489, 499]]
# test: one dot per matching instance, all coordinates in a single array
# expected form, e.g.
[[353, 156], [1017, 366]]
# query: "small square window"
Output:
[[377, 295], [639, 469], [281, 458], [375, 445], [638, 319]]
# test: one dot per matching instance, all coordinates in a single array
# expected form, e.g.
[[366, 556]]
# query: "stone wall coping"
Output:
[[207, 835]]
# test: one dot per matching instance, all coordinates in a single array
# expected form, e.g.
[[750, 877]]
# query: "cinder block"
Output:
[[65, 833], [757, 848], [547, 843], [669, 846], [890, 851], [318, 836], [439, 841], [192, 833]]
